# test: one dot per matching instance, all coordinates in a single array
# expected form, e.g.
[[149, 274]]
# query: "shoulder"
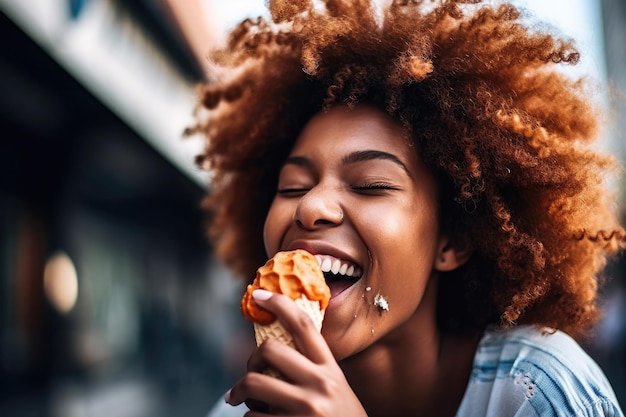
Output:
[[539, 372]]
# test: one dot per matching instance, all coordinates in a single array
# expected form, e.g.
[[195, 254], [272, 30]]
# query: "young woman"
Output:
[[435, 152]]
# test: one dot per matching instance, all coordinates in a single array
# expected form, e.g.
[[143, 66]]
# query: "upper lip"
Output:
[[322, 248]]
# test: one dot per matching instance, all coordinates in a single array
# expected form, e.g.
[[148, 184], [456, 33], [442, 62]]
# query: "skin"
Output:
[[354, 188]]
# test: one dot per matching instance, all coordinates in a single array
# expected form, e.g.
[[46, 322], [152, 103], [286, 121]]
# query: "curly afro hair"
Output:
[[507, 134]]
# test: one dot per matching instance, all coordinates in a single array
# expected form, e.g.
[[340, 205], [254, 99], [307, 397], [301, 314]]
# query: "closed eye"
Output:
[[374, 187], [292, 191]]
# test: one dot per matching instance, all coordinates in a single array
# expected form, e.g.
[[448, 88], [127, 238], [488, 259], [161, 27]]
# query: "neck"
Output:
[[414, 370]]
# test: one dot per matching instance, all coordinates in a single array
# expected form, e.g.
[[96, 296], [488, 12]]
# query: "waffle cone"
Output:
[[276, 330]]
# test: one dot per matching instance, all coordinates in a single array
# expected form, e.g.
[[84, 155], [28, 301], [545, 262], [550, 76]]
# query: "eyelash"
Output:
[[376, 186], [292, 191]]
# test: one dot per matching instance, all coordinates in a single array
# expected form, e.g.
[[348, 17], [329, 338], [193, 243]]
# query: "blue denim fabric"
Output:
[[528, 371], [524, 371]]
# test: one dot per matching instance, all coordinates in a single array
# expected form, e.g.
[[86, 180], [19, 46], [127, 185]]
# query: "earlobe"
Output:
[[450, 257]]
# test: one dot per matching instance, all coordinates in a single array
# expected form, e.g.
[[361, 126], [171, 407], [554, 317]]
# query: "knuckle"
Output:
[[267, 347], [304, 321], [327, 386], [260, 355], [308, 406], [317, 408], [250, 381]]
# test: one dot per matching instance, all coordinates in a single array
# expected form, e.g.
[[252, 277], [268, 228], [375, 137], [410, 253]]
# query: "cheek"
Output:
[[276, 222], [404, 242], [269, 238], [407, 226]]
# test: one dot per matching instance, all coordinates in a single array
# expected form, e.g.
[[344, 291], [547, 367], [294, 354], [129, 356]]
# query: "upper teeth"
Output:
[[337, 266]]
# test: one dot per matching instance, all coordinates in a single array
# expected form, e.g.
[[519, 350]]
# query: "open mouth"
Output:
[[339, 274]]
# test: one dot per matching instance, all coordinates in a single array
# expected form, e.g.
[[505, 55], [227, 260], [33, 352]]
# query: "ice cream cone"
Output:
[[296, 274]]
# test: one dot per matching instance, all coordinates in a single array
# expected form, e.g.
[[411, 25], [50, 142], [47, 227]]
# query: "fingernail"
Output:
[[227, 397], [261, 295]]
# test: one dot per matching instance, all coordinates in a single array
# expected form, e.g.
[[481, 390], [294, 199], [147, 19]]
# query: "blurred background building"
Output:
[[111, 303]]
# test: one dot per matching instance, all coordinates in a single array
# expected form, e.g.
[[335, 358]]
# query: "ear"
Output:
[[450, 257]]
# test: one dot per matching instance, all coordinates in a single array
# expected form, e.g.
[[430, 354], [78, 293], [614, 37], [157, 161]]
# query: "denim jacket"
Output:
[[528, 371]]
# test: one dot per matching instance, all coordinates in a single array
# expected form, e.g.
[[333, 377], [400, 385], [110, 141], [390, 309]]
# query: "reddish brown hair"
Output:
[[507, 135]]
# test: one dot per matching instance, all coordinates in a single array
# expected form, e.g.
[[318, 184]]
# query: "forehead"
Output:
[[344, 129]]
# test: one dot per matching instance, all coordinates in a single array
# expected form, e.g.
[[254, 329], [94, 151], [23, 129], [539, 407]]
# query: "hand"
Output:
[[313, 384]]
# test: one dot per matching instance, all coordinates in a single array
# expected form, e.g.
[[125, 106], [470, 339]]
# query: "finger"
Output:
[[306, 337], [250, 387], [257, 389], [257, 406], [253, 405], [288, 362]]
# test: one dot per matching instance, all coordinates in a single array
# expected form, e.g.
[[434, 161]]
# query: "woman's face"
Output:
[[355, 193]]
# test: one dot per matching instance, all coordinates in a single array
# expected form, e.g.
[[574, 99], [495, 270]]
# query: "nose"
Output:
[[318, 208]]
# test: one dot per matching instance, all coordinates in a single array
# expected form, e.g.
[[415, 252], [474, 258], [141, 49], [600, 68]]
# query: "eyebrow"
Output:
[[299, 161], [352, 158], [369, 155]]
